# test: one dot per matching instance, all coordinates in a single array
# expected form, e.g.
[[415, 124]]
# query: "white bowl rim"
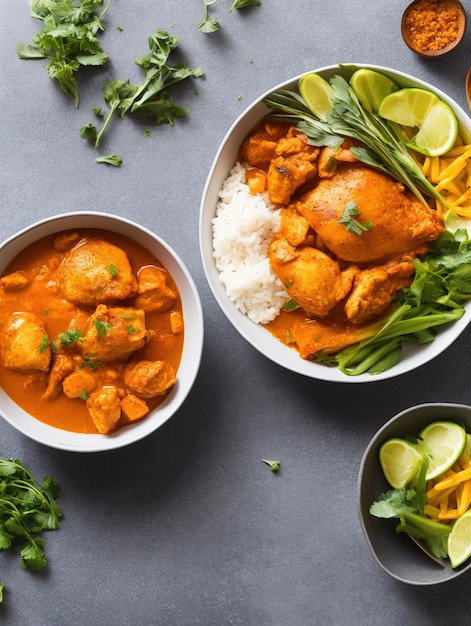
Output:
[[193, 340], [413, 356]]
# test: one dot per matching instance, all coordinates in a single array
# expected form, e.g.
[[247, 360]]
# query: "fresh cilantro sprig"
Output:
[[352, 224], [150, 97], [67, 39], [208, 24], [26, 509]]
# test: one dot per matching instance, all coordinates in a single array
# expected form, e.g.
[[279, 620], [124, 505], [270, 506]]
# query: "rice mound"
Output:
[[242, 230]]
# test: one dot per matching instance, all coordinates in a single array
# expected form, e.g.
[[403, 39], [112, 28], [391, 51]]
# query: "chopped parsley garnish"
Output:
[[70, 336], [352, 224], [44, 344], [102, 327], [113, 270]]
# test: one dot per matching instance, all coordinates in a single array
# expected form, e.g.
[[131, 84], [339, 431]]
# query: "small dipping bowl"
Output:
[[419, 34], [395, 552]]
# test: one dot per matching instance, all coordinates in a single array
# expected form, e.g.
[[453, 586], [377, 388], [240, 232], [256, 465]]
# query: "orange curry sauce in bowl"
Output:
[[93, 332]]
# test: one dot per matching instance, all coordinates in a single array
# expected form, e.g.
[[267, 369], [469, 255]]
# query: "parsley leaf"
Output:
[[274, 465], [209, 24], [102, 328], [67, 39], [70, 336], [241, 4], [150, 98], [111, 159], [351, 224], [26, 509]]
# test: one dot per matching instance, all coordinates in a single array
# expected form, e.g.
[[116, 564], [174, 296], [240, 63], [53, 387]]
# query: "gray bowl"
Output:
[[395, 552]]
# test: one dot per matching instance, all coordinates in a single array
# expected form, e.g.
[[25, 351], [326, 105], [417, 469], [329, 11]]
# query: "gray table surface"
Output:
[[188, 526]]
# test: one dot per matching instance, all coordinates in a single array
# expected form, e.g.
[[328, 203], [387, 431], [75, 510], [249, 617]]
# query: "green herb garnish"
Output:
[[70, 336], [150, 98], [44, 344], [102, 327], [26, 509], [209, 24], [241, 4], [110, 159], [352, 224], [113, 270], [274, 465], [67, 39]]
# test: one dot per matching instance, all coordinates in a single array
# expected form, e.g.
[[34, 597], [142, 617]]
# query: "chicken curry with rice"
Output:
[[347, 238], [91, 331]]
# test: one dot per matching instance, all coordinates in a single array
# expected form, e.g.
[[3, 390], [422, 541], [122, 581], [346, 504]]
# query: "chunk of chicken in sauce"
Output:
[[95, 271], [289, 160], [154, 294], [105, 408], [149, 378], [312, 278], [114, 333], [24, 343], [399, 222]]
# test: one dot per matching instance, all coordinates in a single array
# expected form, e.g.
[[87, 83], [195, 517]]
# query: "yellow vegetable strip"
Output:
[[454, 480], [465, 497], [435, 497], [431, 511]]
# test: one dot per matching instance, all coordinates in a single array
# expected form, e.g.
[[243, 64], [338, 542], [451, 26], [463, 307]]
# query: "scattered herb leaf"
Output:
[[44, 344], [274, 465], [351, 224], [26, 509], [241, 4], [113, 270], [102, 328], [209, 24], [70, 336], [67, 39], [111, 159]]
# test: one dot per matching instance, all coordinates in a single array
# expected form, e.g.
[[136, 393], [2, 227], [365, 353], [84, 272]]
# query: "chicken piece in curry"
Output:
[[348, 235], [91, 331]]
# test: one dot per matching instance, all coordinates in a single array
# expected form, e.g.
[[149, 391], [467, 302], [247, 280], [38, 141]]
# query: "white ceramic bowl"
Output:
[[395, 553], [261, 339], [192, 348]]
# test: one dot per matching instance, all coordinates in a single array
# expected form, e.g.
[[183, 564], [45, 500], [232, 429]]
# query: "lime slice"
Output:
[[438, 132], [459, 540], [316, 93], [371, 87], [453, 222], [400, 462], [443, 443], [408, 106]]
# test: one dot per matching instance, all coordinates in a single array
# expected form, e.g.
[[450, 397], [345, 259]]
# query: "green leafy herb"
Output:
[[351, 224], [241, 4], [110, 159], [209, 24], [113, 270], [67, 39], [88, 132], [26, 509], [44, 344], [131, 330], [70, 336], [274, 465], [408, 506], [150, 98], [91, 363], [83, 395], [102, 328], [385, 148], [290, 305], [436, 297], [98, 111]]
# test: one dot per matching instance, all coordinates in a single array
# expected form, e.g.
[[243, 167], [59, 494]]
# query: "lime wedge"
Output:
[[453, 222], [438, 132], [443, 443], [316, 93], [459, 540], [408, 106], [400, 462], [371, 87]]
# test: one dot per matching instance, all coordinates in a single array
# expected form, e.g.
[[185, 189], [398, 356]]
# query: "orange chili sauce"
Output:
[[43, 298]]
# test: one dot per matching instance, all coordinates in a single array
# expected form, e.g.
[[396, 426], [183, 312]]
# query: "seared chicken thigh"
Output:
[[398, 221]]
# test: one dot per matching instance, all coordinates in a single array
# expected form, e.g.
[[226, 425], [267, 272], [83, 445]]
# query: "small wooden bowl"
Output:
[[407, 35]]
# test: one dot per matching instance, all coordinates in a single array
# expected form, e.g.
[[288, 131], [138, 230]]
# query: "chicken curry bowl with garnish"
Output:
[[91, 331]]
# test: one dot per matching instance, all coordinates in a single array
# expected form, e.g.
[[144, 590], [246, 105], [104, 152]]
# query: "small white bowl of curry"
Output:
[[101, 332]]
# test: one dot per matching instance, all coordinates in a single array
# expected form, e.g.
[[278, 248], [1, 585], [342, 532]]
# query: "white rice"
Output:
[[242, 230]]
